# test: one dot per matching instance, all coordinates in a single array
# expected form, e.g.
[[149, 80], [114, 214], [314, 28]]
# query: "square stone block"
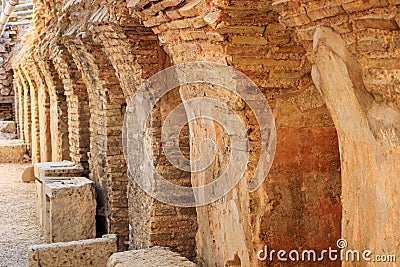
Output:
[[64, 168], [12, 151], [70, 209], [58, 170]]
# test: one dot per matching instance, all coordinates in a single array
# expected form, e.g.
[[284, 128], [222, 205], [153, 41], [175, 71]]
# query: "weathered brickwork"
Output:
[[78, 106], [268, 53], [35, 131], [359, 41], [58, 111], [43, 102], [94, 74], [25, 116], [329, 70], [9, 108]]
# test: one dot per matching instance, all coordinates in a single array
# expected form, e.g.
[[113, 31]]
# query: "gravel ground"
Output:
[[19, 227]]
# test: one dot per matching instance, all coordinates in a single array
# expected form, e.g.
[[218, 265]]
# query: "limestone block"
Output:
[[28, 175], [155, 256], [70, 209], [91, 252], [12, 151], [56, 169], [49, 170]]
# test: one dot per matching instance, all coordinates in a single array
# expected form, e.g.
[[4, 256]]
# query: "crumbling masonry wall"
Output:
[[329, 70], [356, 69], [8, 48], [95, 75], [303, 189]]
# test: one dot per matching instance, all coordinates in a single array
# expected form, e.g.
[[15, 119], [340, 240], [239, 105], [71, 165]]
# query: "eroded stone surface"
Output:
[[12, 151], [28, 175], [70, 209], [155, 256], [47, 170], [57, 169], [370, 137], [91, 252], [97, 53]]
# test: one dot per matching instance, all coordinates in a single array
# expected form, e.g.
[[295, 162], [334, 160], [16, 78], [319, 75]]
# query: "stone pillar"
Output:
[[44, 116], [35, 133], [233, 229], [77, 106], [27, 124], [107, 164], [58, 110], [136, 56], [369, 144], [21, 107]]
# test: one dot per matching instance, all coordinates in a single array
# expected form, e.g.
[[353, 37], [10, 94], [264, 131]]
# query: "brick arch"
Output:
[[35, 129], [355, 56], [58, 110], [134, 52], [25, 117], [21, 105], [107, 166], [77, 105], [44, 122], [248, 36], [136, 55]]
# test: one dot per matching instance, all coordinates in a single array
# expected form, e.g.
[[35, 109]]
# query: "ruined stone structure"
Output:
[[6, 77], [17, 26], [330, 73]]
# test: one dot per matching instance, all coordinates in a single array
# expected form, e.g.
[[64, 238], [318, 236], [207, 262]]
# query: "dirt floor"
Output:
[[19, 227]]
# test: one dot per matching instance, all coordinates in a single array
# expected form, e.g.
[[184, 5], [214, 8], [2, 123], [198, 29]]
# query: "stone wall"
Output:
[[355, 67], [303, 189], [88, 77], [9, 47], [7, 109]]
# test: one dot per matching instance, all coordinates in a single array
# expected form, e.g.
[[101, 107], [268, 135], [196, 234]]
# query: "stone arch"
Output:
[[355, 67], [58, 110], [135, 54], [35, 130], [303, 189], [27, 119], [77, 105], [44, 101], [370, 144]]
